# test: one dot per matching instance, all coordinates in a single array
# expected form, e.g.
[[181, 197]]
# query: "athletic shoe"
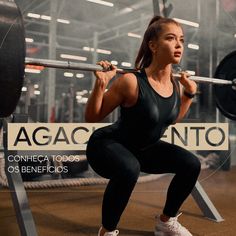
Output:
[[112, 233], [170, 228]]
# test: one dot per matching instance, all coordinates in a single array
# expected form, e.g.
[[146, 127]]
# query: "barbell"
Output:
[[89, 67], [13, 62]]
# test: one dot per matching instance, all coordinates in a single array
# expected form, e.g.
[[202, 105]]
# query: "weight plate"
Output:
[[12, 56], [225, 95]]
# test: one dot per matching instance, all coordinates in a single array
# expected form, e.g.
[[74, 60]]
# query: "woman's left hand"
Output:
[[189, 85]]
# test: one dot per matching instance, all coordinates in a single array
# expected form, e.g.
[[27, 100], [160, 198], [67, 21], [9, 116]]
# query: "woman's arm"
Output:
[[101, 103], [191, 88]]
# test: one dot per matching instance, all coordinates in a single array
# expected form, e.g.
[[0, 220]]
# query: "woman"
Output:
[[150, 100]]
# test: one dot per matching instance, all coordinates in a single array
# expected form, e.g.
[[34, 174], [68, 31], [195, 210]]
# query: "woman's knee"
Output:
[[130, 172], [194, 165]]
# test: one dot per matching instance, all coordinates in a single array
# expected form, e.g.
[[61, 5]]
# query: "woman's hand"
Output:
[[189, 85], [103, 77]]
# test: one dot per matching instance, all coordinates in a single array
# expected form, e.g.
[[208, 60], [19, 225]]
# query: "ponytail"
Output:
[[155, 19]]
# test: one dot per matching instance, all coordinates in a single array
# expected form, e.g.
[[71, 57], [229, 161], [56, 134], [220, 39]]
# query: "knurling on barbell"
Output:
[[13, 61]]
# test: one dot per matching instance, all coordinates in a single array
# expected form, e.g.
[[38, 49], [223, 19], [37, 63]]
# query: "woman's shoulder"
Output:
[[128, 80], [127, 85], [127, 76]]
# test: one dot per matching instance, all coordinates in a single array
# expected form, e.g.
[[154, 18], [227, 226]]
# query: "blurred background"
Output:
[[87, 31], [91, 30]]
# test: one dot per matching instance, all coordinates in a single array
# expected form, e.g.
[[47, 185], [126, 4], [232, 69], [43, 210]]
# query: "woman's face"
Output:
[[169, 46]]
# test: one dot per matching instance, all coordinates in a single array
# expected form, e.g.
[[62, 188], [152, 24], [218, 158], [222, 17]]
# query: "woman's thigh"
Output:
[[164, 157], [109, 158]]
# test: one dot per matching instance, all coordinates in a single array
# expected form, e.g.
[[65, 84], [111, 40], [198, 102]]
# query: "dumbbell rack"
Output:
[[20, 200]]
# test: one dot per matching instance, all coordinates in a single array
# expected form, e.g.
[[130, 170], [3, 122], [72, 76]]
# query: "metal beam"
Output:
[[156, 7], [205, 203], [52, 54], [16, 186]]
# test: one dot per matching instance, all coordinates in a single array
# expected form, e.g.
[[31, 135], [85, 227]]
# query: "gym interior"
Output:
[[66, 199]]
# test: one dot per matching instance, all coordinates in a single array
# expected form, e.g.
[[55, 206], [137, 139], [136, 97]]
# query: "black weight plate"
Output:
[[225, 95], [12, 56]]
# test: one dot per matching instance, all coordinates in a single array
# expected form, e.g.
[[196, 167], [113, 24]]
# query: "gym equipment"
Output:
[[12, 56], [13, 61], [12, 65], [225, 96], [16, 186]]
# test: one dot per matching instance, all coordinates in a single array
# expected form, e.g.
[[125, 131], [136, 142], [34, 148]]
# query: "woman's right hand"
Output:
[[103, 77]]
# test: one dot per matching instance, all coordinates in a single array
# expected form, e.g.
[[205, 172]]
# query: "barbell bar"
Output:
[[13, 62], [90, 67], [70, 65]]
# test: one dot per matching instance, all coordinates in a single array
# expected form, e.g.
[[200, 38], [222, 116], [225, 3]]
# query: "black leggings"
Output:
[[115, 161]]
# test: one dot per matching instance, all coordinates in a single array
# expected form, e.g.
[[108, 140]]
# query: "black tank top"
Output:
[[144, 123]]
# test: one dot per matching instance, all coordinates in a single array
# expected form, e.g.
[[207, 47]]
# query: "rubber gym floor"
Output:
[[76, 211]]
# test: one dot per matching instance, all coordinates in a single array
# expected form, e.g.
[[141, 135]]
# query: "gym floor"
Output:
[[76, 211]]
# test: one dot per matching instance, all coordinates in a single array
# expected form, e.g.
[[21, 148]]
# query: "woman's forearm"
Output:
[[185, 105], [94, 104], [188, 91], [93, 111]]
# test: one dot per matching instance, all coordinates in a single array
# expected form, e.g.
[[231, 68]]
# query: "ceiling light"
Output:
[[81, 93], [86, 49], [105, 3], [68, 74], [186, 22], [24, 89], [33, 71], [83, 100], [63, 21], [85, 91], [73, 57], [37, 92], [44, 17], [78, 97], [29, 40], [79, 76], [33, 15], [134, 35], [115, 63], [126, 64], [193, 46], [128, 9], [102, 51]]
